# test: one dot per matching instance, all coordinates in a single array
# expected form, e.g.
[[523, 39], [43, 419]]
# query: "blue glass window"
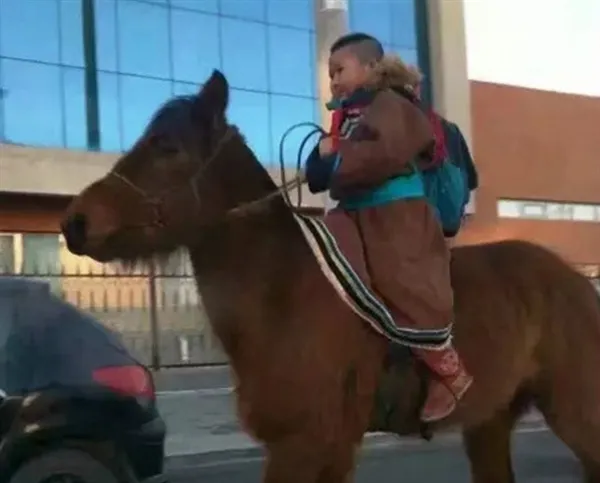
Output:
[[210, 6], [32, 102], [244, 9], [109, 107], [285, 112], [290, 66], [314, 61], [322, 115], [73, 95], [403, 24], [250, 112], [140, 98], [185, 88], [293, 13], [3, 136], [373, 18], [106, 34], [245, 53], [71, 33], [409, 56], [143, 39], [195, 38], [29, 30]]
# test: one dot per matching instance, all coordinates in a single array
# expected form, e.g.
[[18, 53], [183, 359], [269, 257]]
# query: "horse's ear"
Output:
[[214, 95]]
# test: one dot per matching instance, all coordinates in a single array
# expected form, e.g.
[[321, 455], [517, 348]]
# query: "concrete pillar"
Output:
[[449, 76], [331, 20]]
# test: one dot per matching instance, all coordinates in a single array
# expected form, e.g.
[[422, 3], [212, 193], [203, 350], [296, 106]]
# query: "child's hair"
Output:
[[415, 76], [366, 47], [392, 72]]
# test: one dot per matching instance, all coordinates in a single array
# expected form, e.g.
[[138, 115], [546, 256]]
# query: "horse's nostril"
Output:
[[75, 232]]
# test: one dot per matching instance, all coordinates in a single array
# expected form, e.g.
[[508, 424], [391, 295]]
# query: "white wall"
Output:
[[51, 171], [540, 44], [66, 172], [447, 45]]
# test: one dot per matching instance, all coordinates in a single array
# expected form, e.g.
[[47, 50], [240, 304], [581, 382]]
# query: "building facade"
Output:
[[79, 80], [93, 72], [536, 153], [534, 127]]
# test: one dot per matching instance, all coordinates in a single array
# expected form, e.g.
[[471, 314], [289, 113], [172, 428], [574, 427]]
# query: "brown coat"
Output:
[[405, 256]]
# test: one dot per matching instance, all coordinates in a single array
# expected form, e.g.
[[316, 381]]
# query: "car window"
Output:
[[6, 321], [69, 345], [17, 358], [7, 309], [45, 341]]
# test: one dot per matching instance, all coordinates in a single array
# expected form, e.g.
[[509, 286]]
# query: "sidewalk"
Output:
[[203, 421], [192, 378]]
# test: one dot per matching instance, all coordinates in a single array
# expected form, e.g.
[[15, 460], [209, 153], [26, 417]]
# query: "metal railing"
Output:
[[157, 311], [155, 307]]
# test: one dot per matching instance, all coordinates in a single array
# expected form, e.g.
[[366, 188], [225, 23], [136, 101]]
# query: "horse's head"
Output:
[[174, 172]]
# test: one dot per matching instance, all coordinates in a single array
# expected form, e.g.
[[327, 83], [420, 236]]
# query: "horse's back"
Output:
[[514, 260], [533, 276], [529, 274], [523, 316]]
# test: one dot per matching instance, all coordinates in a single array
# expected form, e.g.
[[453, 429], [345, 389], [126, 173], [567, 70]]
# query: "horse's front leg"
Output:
[[340, 465], [302, 459], [292, 460]]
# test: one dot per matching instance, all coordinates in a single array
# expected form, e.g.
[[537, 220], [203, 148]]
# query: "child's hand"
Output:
[[326, 146]]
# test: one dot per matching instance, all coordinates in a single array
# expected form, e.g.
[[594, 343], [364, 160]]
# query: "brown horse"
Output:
[[312, 376]]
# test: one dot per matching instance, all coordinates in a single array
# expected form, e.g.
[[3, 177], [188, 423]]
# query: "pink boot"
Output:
[[448, 385]]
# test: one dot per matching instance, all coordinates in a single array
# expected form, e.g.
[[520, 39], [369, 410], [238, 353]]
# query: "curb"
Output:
[[193, 460], [373, 442], [211, 391], [211, 458]]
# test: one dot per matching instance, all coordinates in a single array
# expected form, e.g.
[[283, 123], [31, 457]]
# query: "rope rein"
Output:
[[285, 187], [156, 201]]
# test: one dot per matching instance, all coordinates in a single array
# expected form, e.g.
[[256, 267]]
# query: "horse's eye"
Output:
[[165, 146]]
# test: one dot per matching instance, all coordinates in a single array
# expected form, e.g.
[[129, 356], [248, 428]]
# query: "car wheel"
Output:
[[63, 466]]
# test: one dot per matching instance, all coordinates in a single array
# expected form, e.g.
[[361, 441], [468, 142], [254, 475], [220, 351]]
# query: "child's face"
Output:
[[346, 73]]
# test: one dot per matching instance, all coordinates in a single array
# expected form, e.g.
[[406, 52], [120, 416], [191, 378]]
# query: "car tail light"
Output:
[[132, 381]]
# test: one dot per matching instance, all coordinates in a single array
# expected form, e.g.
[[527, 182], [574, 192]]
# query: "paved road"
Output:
[[199, 410], [539, 458]]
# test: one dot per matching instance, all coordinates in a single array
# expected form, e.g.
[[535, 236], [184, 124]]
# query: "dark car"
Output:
[[76, 406]]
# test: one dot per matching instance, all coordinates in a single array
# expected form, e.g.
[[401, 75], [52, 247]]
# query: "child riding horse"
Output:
[[368, 164]]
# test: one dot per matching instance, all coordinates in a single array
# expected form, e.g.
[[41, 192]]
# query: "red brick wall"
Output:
[[31, 213], [530, 144], [26, 213]]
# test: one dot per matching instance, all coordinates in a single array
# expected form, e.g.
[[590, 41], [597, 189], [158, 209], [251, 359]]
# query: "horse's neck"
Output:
[[240, 239], [241, 177], [244, 265]]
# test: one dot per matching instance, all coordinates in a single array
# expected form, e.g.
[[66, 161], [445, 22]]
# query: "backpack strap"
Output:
[[460, 153]]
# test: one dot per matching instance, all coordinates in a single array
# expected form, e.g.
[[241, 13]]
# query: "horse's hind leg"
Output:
[[570, 408], [591, 470], [580, 443], [488, 448], [581, 436]]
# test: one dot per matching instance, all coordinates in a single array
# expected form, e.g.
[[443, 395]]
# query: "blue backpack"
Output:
[[448, 185]]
